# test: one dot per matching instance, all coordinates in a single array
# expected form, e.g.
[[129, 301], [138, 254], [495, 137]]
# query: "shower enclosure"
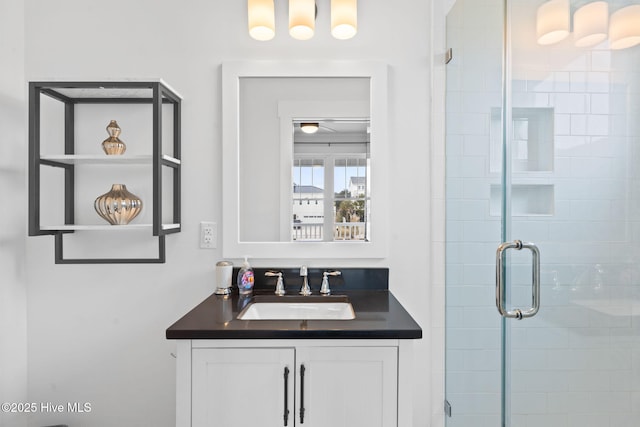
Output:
[[542, 148]]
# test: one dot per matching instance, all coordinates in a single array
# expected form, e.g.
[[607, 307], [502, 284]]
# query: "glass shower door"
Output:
[[543, 143], [474, 98]]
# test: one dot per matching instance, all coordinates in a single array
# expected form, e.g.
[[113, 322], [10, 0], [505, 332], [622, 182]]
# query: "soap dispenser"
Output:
[[245, 278]]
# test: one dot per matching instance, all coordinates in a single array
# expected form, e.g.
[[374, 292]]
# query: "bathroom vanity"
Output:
[[295, 372]]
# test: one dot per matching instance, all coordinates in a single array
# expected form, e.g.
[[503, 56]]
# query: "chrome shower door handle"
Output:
[[535, 280]]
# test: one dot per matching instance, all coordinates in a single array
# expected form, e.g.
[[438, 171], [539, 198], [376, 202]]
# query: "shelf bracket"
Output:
[[60, 259]]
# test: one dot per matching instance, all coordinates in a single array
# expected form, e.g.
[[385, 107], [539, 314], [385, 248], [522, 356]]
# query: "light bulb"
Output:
[[302, 17], [344, 18], [261, 19], [309, 127], [552, 21], [590, 23], [624, 27]]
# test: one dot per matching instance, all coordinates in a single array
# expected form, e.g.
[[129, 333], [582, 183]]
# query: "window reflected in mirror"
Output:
[[331, 180]]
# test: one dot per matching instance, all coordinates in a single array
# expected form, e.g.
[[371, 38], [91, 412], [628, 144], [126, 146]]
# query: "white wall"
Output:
[[93, 338], [13, 155]]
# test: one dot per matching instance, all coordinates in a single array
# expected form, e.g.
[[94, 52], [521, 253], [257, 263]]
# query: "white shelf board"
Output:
[[111, 92], [72, 159], [104, 227]]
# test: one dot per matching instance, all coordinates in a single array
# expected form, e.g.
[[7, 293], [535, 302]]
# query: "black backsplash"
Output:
[[352, 279]]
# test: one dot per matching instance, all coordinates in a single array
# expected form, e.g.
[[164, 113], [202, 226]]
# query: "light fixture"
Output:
[[553, 20], [302, 18], [590, 23], [309, 127], [344, 18], [624, 27], [261, 16]]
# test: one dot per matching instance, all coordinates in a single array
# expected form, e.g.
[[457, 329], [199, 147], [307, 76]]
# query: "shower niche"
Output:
[[531, 136], [532, 153], [526, 199]]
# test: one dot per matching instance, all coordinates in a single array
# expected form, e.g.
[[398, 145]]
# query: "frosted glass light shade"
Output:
[[344, 18], [262, 24], [590, 23], [302, 18], [624, 27], [309, 127], [553, 21]]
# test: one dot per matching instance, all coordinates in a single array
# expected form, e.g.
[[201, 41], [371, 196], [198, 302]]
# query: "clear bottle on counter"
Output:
[[245, 278]]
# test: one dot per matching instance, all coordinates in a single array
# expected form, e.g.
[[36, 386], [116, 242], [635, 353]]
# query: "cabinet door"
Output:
[[242, 387], [347, 386]]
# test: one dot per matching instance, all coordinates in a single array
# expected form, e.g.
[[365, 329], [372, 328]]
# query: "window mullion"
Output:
[[329, 201]]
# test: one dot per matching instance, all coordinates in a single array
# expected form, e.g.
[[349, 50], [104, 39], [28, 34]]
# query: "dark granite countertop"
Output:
[[379, 315]]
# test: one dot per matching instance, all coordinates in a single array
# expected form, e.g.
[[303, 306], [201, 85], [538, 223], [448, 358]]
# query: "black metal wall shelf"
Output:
[[155, 93]]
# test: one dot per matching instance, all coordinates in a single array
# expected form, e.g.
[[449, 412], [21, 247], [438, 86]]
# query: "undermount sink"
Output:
[[298, 308]]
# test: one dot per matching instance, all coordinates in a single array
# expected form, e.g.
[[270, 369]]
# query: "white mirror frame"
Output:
[[232, 73]]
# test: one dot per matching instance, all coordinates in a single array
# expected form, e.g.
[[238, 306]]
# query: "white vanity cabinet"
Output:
[[347, 386], [316, 383], [242, 387]]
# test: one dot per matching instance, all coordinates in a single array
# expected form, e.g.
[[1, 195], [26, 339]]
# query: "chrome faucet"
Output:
[[305, 289], [279, 284], [324, 289]]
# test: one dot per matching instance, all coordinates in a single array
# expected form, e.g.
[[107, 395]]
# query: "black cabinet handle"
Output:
[[302, 394], [286, 396]]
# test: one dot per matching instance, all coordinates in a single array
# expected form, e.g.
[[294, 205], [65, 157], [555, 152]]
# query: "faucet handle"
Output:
[[279, 284], [324, 288], [303, 270]]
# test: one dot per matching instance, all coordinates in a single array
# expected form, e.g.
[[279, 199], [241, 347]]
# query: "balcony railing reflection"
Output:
[[341, 231]]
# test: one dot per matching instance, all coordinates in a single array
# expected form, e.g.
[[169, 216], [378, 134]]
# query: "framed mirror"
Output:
[[291, 194]]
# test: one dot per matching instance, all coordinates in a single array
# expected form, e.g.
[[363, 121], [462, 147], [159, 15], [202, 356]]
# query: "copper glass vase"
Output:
[[118, 206], [113, 144]]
